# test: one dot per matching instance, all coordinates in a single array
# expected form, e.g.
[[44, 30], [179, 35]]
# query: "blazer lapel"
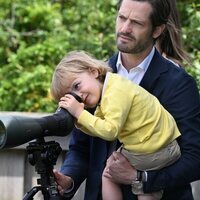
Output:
[[155, 69], [113, 61]]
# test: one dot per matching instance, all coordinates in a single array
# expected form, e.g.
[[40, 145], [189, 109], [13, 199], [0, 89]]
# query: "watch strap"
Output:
[[139, 176], [137, 183]]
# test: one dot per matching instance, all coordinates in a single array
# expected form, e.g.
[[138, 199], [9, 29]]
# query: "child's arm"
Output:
[[107, 122], [109, 119]]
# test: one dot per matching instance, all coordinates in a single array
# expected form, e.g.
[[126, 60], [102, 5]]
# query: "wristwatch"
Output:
[[137, 183]]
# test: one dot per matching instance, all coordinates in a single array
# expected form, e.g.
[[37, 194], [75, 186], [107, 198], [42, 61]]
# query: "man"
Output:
[[138, 24]]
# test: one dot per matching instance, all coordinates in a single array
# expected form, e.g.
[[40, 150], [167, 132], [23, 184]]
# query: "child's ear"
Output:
[[94, 72]]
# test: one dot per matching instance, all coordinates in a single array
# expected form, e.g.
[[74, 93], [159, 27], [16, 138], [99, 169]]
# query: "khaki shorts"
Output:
[[153, 161]]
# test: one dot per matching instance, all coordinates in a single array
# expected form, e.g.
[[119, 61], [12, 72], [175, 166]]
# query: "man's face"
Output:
[[133, 27]]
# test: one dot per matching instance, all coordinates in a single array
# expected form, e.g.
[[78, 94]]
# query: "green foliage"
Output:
[[190, 18], [36, 34]]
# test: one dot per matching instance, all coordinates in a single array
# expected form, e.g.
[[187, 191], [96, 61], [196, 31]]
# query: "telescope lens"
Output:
[[2, 133]]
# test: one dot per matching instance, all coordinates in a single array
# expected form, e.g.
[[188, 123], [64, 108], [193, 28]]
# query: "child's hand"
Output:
[[69, 103]]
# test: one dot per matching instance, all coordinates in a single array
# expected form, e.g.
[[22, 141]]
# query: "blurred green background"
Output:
[[35, 35]]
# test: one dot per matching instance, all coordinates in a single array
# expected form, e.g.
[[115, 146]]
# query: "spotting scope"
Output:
[[16, 130]]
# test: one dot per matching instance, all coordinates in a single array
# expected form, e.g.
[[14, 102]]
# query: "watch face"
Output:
[[137, 187]]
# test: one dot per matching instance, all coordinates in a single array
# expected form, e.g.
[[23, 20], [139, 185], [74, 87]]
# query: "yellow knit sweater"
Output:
[[131, 114]]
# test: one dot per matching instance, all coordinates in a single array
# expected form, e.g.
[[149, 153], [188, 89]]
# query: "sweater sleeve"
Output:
[[109, 117]]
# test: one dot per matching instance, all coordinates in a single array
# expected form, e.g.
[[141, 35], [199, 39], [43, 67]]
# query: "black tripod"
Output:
[[44, 155]]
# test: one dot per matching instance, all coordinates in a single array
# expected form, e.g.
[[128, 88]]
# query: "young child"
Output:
[[124, 111]]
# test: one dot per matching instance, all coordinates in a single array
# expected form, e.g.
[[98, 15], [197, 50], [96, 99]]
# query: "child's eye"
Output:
[[77, 86]]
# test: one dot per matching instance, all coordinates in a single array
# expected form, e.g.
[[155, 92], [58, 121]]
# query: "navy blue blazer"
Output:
[[178, 93]]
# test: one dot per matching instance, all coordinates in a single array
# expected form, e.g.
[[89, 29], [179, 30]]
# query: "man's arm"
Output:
[[76, 162]]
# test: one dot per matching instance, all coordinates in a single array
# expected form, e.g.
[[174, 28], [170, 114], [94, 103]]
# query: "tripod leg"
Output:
[[29, 195]]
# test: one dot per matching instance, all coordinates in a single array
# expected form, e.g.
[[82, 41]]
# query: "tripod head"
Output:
[[43, 155]]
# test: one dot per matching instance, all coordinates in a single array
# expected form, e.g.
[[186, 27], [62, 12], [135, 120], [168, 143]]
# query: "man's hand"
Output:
[[64, 182], [119, 169]]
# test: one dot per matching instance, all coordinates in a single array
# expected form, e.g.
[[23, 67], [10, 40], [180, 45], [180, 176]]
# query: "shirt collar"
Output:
[[143, 65]]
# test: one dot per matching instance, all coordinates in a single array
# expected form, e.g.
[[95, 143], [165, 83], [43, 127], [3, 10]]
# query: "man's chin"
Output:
[[123, 47], [124, 50]]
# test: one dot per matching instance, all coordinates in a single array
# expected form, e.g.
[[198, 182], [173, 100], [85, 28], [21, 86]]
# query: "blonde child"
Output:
[[124, 111]]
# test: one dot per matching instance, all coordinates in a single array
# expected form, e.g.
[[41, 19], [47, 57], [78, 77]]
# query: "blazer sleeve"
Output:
[[178, 93], [76, 162]]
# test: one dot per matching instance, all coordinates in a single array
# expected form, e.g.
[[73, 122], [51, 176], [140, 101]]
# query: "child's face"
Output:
[[88, 87]]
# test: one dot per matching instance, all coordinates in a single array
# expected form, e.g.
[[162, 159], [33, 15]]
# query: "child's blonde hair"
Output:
[[75, 62]]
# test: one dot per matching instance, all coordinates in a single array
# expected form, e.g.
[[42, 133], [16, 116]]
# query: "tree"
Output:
[[36, 34]]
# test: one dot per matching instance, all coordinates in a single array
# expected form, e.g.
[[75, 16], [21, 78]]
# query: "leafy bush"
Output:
[[35, 35], [190, 16]]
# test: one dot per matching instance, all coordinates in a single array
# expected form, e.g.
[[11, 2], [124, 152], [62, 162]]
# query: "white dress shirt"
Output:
[[136, 73]]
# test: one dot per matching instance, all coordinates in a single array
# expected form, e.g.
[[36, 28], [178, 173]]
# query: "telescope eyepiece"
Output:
[[2, 132]]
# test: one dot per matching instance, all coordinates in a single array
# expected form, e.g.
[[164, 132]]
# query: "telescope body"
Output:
[[16, 130]]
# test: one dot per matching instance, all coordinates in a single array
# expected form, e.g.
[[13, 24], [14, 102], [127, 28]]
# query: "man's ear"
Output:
[[158, 31]]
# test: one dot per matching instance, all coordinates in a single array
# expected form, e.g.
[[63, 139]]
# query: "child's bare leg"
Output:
[[110, 190], [145, 197], [153, 196]]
